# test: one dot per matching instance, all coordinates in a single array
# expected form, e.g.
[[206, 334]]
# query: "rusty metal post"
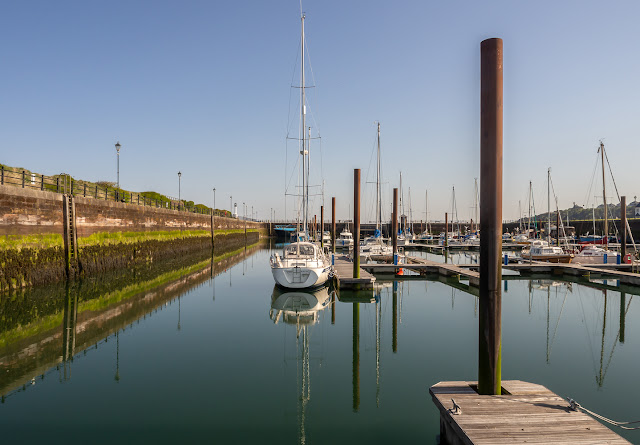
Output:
[[394, 224], [333, 225], [490, 304], [322, 227], [445, 243], [356, 223], [623, 223]]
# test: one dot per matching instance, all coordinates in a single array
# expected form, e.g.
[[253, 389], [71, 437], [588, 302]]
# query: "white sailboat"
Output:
[[375, 245], [302, 264]]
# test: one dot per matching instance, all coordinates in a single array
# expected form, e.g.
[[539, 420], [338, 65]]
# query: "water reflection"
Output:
[[301, 309]]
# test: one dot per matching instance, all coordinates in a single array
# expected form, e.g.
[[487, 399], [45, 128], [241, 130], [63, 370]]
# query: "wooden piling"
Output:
[[394, 222], [623, 313], [394, 325], [333, 225], [490, 301], [356, 223]]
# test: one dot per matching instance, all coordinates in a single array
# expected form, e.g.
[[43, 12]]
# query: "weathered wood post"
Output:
[[623, 223], [356, 223], [333, 225], [356, 356], [490, 304], [394, 227]]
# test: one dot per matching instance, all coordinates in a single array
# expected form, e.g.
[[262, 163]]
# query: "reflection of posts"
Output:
[[394, 344], [356, 223], [69, 321], [356, 357], [333, 308], [623, 297]]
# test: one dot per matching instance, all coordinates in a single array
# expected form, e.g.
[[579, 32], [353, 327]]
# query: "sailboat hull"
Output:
[[300, 277]]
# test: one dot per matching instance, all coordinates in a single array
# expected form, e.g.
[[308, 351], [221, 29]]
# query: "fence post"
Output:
[[96, 192], [2, 174], [23, 178], [106, 193], [71, 186], [85, 191], [41, 182], [138, 198], [58, 184]]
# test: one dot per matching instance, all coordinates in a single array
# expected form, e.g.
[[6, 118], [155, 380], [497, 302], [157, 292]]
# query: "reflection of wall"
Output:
[[35, 355]]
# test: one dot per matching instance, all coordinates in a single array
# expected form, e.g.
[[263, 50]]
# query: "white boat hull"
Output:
[[300, 277]]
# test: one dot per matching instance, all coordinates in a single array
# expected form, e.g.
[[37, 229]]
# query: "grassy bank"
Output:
[[20, 242]]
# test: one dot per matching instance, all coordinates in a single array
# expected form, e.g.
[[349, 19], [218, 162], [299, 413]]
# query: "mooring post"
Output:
[[333, 225], [623, 223], [356, 355], [322, 227], [356, 223], [490, 304], [394, 227], [446, 230]]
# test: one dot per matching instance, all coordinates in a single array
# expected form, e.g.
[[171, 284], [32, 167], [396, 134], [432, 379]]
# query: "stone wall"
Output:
[[28, 211]]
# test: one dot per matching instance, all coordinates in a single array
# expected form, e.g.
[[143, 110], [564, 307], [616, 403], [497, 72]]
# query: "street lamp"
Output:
[[118, 156], [179, 176]]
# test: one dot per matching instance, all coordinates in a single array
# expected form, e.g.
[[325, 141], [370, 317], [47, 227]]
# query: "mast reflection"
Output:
[[300, 309]]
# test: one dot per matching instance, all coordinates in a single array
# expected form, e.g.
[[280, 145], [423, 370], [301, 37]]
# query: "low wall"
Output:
[[28, 212]]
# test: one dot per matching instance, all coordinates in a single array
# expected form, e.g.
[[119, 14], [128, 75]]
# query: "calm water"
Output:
[[222, 357]]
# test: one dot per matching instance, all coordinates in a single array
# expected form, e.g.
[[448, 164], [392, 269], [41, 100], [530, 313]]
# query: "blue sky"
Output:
[[205, 88]]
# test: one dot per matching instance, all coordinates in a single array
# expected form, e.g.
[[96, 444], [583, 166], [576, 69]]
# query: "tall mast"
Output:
[[402, 228], [549, 205], [604, 196], [529, 224], [378, 192], [426, 210], [475, 204], [303, 152]]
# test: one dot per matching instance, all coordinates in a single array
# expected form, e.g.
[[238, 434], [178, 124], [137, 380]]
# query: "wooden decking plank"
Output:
[[530, 414]]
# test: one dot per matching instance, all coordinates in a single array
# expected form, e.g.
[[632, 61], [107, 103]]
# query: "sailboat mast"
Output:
[[303, 152], [604, 197], [475, 204], [529, 223], [549, 205], [378, 192], [401, 206]]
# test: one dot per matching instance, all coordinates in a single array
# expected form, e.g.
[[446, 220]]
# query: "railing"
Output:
[[66, 184]]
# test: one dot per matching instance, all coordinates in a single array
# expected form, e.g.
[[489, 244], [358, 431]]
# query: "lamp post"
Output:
[[230, 206], [179, 176], [118, 162]]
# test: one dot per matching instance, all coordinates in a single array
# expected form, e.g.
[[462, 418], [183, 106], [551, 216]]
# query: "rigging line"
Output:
[[555, 331], [593, 175], [606, 368], [584, 318], [606, 156]]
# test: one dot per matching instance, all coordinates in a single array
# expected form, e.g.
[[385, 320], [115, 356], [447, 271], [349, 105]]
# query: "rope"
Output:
[[575, 406]]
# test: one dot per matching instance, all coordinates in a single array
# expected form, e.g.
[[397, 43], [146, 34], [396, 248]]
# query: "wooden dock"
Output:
[[423, 266], [343, 273], [529, 413]]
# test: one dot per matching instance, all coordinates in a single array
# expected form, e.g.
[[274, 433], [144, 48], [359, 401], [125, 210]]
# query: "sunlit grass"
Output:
[[105, 238]]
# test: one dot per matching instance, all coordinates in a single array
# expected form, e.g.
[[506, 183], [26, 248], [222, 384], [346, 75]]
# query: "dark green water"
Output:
[[221, 357]]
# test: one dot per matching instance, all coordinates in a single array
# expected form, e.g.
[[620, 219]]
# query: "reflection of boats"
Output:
[[299, 307], [541, 251]]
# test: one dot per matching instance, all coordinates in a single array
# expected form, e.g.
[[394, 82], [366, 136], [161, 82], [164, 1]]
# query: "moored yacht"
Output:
[[541, 251]]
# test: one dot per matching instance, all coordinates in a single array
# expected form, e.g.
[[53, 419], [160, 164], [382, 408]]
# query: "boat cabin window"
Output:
[[305, 249]]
